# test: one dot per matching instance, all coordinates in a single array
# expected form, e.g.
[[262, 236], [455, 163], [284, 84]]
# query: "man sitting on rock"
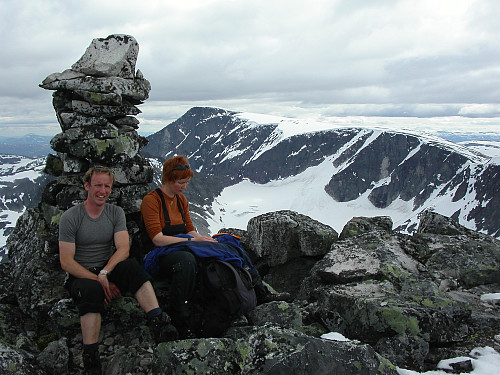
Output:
[[87, 232]]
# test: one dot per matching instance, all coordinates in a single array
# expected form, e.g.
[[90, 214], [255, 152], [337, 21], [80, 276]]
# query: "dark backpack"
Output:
[[226, 292]]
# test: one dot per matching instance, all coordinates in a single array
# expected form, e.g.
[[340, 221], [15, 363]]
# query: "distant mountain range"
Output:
[[247, 164], [29, 145]]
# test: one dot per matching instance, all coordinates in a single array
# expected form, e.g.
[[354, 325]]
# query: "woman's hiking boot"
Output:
[[270, 297], [264, 294]]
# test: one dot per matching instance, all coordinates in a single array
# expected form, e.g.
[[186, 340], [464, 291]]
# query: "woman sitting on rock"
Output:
[[175, 226]]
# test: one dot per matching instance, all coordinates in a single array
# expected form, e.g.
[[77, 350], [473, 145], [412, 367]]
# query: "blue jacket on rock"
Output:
[[228, 248]]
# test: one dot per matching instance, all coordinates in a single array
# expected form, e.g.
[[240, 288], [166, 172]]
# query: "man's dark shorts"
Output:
[[88, 294]]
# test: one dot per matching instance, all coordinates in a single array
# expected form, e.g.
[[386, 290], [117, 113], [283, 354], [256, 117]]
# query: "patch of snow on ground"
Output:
[[485, 361], [334, 336], [490, 297]]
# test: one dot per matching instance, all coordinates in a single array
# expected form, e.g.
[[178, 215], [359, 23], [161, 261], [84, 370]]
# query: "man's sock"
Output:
[[154, 313], [90, 348]]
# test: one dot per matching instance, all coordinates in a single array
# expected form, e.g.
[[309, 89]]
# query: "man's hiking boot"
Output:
[[92, 363], [161, 329]]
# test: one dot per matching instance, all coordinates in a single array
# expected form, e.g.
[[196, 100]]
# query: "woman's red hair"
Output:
[[171, 175]]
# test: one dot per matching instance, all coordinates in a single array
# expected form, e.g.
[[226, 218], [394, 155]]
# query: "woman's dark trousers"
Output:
[[180, 268]]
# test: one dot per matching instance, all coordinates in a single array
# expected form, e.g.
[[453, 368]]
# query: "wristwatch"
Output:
[[103, 272]]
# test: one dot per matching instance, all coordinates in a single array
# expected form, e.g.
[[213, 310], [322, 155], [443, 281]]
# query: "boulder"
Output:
[[54, 358], [286, 245], [281, 236], [114, 56], [268, 350], [17, 362], [278, 313]]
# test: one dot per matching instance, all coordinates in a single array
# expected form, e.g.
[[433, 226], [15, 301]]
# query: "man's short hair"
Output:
[[96, 169]]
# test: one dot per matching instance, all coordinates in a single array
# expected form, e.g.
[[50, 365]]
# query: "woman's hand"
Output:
[[203, 238]]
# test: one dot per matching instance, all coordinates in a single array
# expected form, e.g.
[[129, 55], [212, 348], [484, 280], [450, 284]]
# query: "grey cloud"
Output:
[[284, 57]]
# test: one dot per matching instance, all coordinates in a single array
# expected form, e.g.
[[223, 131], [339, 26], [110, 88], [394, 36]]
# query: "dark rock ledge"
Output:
[[404, 301]]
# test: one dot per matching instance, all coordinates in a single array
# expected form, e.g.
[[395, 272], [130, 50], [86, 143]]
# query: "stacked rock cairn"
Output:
[[96, 103]]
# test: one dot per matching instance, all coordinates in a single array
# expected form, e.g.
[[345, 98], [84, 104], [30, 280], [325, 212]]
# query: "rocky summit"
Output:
[[405, 301], [399, 300]]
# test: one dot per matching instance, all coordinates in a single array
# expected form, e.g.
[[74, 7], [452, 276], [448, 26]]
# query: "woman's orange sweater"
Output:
[[152, 212]]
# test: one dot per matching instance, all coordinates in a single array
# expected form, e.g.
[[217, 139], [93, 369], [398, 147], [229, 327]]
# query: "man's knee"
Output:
[[88, 296], [129, 276]]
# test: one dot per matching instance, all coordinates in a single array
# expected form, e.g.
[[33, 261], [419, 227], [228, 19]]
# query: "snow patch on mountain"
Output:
[[15, 172], [488, 148], [287, 127], [239, 203]]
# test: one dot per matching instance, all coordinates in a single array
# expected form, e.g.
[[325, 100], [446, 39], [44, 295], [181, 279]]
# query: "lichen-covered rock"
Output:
[[213, 356], [11, 322], [279, 313], [135, 90], [54, 358], [268, 351], [359, 225], [432, 222], [277, 351], [368, 256], [370, 288], [17, 362], [114, 56], [128, 360], [64, 315], [35, 265], [404, 351], [470, 260], [281, 236], [373, 310]]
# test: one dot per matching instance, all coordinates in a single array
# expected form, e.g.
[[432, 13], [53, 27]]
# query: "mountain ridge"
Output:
[[228, 168], [387, 164]]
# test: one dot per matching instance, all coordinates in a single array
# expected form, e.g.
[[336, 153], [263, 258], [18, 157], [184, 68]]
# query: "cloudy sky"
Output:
[[308, 59]]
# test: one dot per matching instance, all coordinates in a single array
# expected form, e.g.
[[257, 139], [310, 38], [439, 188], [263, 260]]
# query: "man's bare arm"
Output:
[[70, 265], [122, 250]]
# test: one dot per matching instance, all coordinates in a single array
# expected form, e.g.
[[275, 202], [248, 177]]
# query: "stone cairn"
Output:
[[96, 103]]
